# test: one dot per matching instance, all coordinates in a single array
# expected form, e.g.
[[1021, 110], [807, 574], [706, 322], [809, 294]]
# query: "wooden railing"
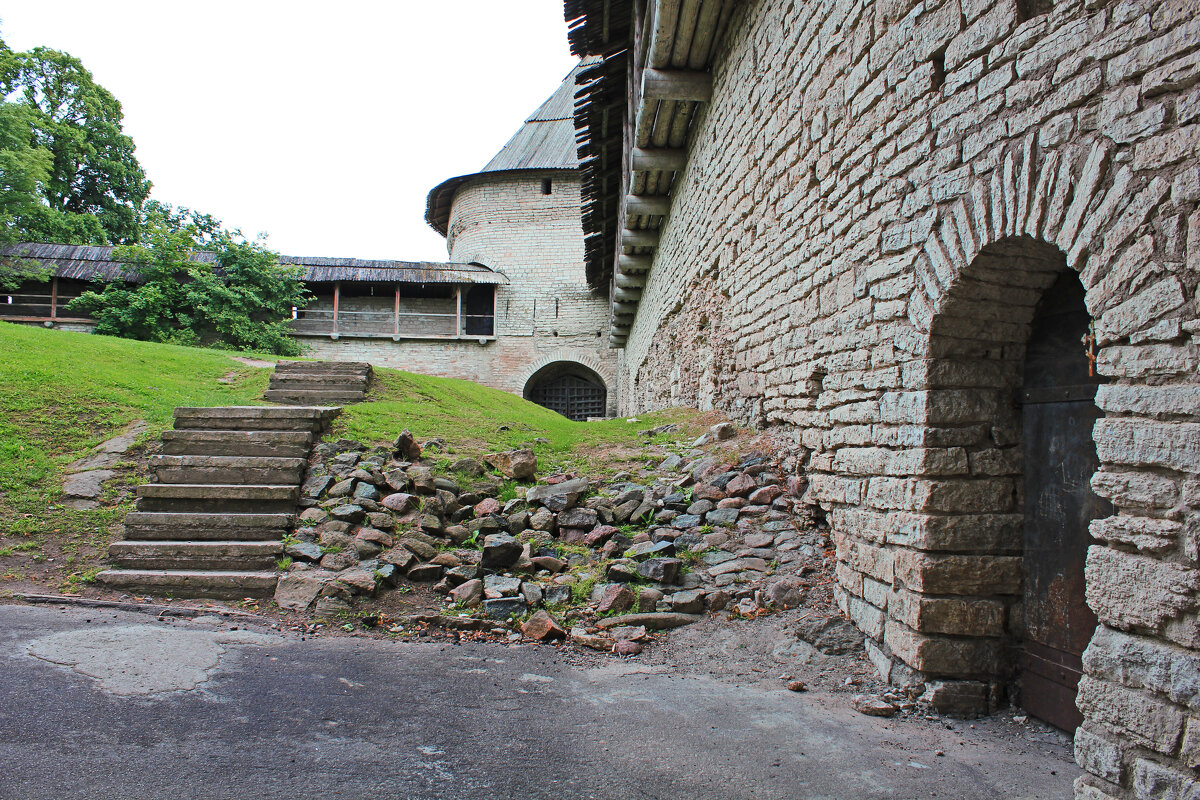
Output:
[[414, 324]]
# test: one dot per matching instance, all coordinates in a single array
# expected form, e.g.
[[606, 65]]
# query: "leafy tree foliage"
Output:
[[198, 284], [67, 171]]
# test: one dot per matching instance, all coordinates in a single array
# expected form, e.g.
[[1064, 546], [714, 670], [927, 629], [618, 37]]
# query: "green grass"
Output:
[[63, 393], [474, 419]]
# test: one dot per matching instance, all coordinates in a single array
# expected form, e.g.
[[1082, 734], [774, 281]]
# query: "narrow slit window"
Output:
[[547, 186]]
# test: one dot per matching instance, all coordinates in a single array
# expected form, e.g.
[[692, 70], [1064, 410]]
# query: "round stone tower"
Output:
[[520, 216]]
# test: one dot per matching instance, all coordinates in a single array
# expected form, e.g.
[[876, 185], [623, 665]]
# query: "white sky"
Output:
[[324, 124]]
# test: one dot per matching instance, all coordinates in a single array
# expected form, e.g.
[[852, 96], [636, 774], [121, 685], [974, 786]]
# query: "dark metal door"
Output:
[[573, 397], [1058, 412]]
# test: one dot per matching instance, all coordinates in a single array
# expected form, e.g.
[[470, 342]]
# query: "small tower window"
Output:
[[547, 186]]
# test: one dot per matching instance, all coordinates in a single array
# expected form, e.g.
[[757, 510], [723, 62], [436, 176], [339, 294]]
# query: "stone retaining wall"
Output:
[[874, 202]]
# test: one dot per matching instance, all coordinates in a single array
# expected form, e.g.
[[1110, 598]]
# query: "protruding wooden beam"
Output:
[[676, 84], [337, 298], [639, 238], [636, 204], [644, 159], [624, 281], [627, 264]]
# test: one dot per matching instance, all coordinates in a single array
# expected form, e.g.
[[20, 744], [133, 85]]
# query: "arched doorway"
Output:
[[569, 388], [1011, 382], [1058, 412]]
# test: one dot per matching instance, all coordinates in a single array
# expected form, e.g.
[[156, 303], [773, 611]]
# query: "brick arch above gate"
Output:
[[1086, 199], [607, 372]]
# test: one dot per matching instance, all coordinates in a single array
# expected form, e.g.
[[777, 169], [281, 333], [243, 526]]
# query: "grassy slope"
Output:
[[63, 393], [474, 419]]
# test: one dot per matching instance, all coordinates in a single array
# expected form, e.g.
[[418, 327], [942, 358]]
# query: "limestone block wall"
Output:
[[506, 222], [875, 200], [544, 314]]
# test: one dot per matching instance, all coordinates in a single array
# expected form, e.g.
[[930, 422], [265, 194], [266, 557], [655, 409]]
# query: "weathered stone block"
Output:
[[1099, 754], [1141, 489], [959, 698], [930, 573], [1143, 443], [1140, 717], [1143, 533], [1155, 781], [1143, 663], [865, 558], [938, 655], [949, 615], [1131, 591]]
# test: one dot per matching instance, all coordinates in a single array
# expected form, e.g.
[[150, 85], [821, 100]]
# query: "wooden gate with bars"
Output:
[[572, 396]]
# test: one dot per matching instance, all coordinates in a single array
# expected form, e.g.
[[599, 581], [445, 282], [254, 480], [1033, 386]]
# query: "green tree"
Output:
[[65, 151], [192, 282]]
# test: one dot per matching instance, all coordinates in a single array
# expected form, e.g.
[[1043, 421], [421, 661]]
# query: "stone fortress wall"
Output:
[[544, 315], [505, 222], [875, 201]]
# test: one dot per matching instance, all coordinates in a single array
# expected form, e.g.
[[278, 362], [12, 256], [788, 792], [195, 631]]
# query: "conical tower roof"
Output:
[[546, 140]]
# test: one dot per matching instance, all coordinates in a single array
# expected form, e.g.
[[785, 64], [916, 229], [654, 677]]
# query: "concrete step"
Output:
[[270, 444], [185, 555], [307, 381], [190, 526], [221, 584], [312, 419], [314, 396], [323, 366], [217, 498], [226, 469]]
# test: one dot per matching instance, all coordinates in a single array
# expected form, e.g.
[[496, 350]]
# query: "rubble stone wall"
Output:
[[874, 201]]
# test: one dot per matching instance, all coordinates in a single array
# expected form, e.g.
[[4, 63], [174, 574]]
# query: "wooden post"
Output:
[[54, 297], [337, 296], [458, 311], [396, 313]]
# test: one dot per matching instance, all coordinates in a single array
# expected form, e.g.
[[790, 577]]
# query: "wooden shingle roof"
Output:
[[92, 263], [546, 141]]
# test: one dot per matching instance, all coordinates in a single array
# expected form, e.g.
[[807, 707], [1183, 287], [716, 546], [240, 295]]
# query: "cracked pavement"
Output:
[[102, 704]]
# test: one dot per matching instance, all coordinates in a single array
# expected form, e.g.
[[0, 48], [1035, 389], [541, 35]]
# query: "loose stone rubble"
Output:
[[598, 562]]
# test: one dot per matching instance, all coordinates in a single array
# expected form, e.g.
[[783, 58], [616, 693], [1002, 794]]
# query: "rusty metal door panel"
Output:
[[1058, 413]]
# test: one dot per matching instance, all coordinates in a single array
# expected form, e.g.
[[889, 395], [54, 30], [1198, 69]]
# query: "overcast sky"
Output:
[[323, 124]]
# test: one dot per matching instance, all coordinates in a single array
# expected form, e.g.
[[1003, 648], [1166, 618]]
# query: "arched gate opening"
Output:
[[569, 388], [1013, 373]]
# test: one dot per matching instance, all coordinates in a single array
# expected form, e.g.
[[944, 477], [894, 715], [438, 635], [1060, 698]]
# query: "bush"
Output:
[[192, 283]]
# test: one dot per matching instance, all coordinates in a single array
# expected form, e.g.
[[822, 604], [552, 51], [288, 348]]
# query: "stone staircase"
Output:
[[319, 383], [228, 483]]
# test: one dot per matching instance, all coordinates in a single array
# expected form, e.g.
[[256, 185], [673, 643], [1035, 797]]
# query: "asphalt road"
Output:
[[120, 706]]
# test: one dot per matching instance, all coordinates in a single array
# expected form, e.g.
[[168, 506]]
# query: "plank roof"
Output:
[[545, 141], [93, 263]]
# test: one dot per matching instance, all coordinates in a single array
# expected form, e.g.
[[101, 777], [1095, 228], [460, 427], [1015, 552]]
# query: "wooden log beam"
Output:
[[645, 159], [627, 264], [676, 84], [636, 204], [337, 298], [639, 238], [396, 312]]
